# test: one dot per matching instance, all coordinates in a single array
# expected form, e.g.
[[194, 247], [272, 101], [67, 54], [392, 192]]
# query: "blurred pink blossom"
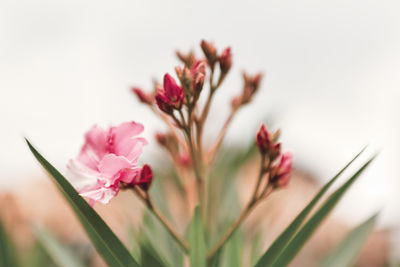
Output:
[[281, 172]]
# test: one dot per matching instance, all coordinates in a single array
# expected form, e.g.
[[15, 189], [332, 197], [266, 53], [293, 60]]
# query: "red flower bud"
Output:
[[225, 60], [163, 102], [146, 177], [142, 96], [173, 91], [263, 139], [280, 174]]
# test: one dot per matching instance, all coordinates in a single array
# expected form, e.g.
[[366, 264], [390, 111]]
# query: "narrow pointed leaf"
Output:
[[294, 246], [105, 241], [345, 254], [273, 251], [60, 254], [198, 250]]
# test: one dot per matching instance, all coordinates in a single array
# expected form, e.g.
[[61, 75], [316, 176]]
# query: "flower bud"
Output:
[[142, 96], [280, 173], [198, 83], [173, 91], [187, 59], [236, 102], [263, 139], [163, 102], [275, 151], [210, 52], [184, 160], [225, 61], [251, 85], [168, 142], [145, 178]]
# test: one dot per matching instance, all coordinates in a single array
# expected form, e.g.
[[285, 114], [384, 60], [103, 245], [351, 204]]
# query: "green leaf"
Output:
[[273, 251], [294, 246], [345, 254], [233, 250], [105, 241], [8, 257], [255, 250], [38, 257], [198, 250], [149, 257], [134, 241], [61, 254], [164, 248]]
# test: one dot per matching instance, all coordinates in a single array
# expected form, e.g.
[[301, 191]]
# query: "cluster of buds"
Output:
[[172, 96], [279, 164]]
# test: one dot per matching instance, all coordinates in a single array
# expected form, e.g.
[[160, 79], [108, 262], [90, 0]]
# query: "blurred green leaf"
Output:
[[134, 240], [255, 249], [294, 246], [149, 258], [233, 251], [273, 251], [61, 254], [198, 250], [345, 254], [106, 242], [222, 190], [38, 257], [163, 247], [8, 257]]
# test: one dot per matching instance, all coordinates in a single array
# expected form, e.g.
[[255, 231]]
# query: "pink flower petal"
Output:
[[81, 176], [129, 175], [97, 141], [111, 164], [100, 194]]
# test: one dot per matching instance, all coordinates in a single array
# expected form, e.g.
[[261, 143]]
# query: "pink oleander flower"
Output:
[[170, 96], [107, 159], [280, 174]]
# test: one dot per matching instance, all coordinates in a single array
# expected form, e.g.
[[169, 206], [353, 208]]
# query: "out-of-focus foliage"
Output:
[[345, 254], [153, 246]]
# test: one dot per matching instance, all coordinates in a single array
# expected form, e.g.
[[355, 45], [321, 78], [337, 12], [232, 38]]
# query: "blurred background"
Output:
[[332, 82]]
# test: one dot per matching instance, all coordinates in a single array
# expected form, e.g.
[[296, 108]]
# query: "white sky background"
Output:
[[332, 79]]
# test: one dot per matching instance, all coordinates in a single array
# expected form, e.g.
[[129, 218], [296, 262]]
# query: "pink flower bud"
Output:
[[173, 91], [236, 102], [210, 52], [225, 60], [168, 141], [187, 59], [145, 178], [280, 174], [142, 96], [184, 160], [263, 139], [251, 85]]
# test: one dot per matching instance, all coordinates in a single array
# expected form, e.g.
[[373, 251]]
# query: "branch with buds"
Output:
[[179, 106]]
